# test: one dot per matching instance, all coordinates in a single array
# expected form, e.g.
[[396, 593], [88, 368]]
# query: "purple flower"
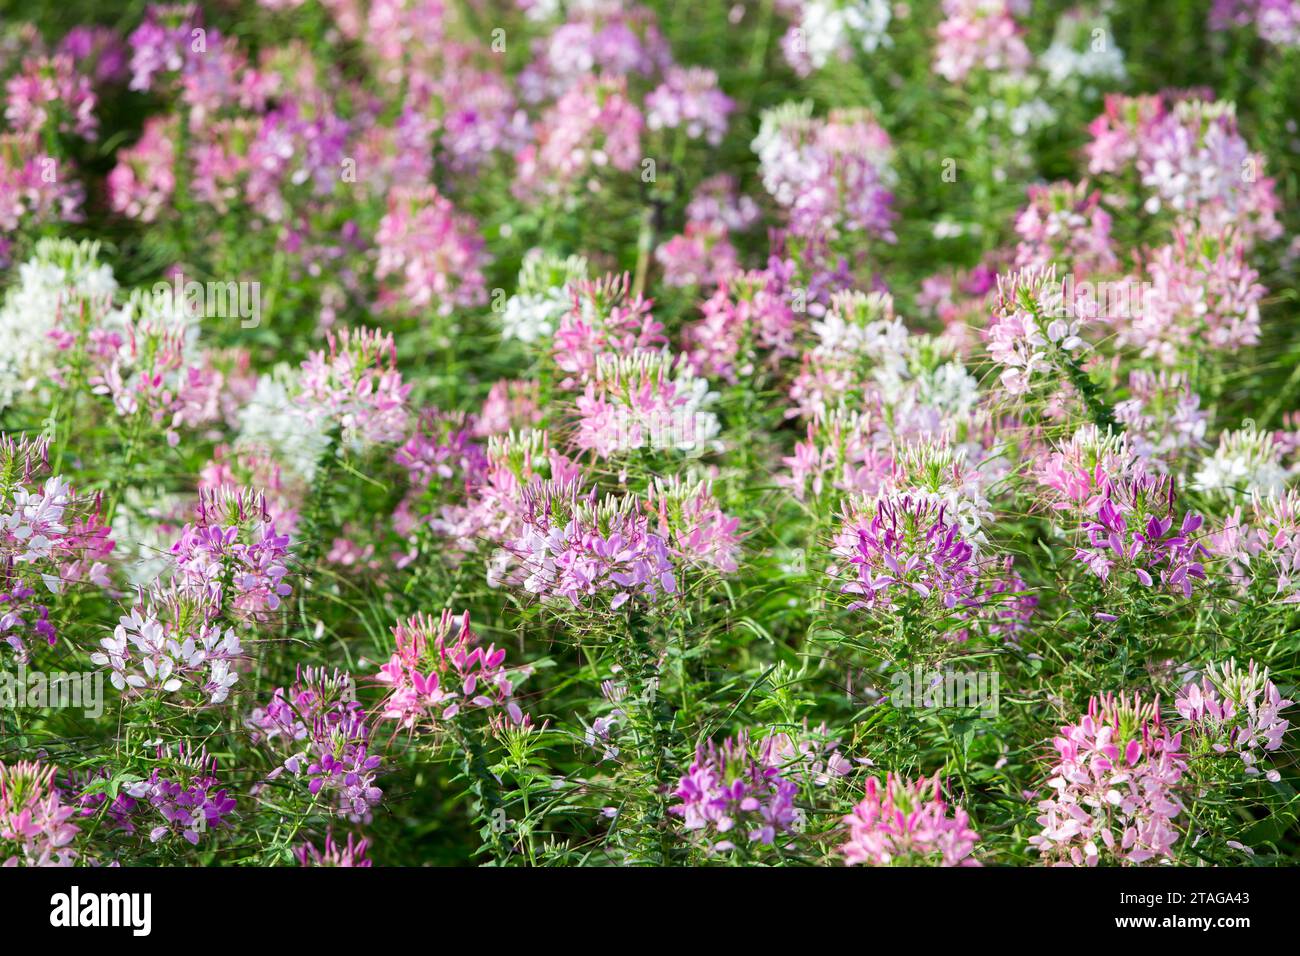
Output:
[[726, 788]]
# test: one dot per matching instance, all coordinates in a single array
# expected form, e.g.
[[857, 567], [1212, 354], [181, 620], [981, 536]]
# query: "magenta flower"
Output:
[[190, 805], [726, 789], [572, 548], [439, 670], [905, 547], [907, 823], [1116, 787], [689, 99], [141, 185], [1065, 224], [747, 320], [356, 386], [233, 544], [433, 250], [326, 732], [593, 127], [49, 95], [1133, 529], [353, 853], [605, 319], [36, 828], [1231, 710]]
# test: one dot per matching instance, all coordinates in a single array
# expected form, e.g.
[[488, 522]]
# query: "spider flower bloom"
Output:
[[168, 640], [904, 547], [1235, 710], [859, 339], [543, 295], [832, 175], [701, 256], [690, 517], [813, 755], [1276, 21], [151, 366], [980, 35], [593, 127], [327, 733], [435, 251], [36, 829], [1073, 475], [49, 96], [353, 853], [1191, 159], [1163, 418], [1116, 787], [1246, 464], [233, 544], [1134, 530], [49, 538], [161, 44], [61, 288], [494, 508], [833, 28], [604, 318], [645, 400], [749, 315], [572, 548], [689, 98], [143, 182], [907, 823], [727, 789], [1065, 224], [717, 203], [356, 386], [28, 198], [191, 803], [1276, 543], [440, 669], [1203, 296], [1033, 333], [839, 452]]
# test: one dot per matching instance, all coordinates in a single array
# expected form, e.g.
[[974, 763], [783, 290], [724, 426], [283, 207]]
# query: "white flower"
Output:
[[831, 26], [1245, 463], [62, 276], [271, 420]]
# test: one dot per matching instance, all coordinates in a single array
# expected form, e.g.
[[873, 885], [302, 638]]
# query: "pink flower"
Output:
[[689, 99], [726, 788], [440, 670], [907, 823], [1116, 787], [1232, 710], [571, 548], [980, 35], [905, 547], [49, 95], [140, 186], [1065, 224], [593, 127], [36, 829], [832, 175], [435, 251], [356, 386]]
